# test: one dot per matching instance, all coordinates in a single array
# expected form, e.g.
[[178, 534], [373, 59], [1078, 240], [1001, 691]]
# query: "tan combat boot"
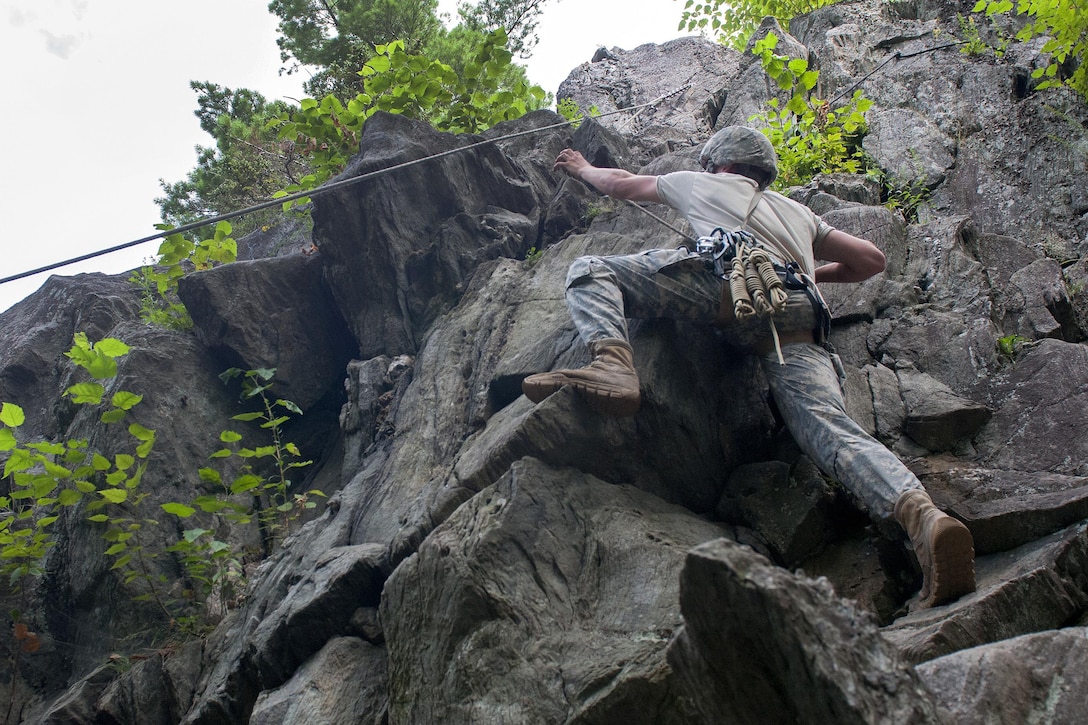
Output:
[[609, 383], [943, 545]]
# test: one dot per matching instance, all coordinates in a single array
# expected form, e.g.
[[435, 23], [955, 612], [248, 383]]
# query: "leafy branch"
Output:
[[808, 135], [732, 22], [46, 478], [1064, 24], [214, 565], [396, 81], [178, 255]]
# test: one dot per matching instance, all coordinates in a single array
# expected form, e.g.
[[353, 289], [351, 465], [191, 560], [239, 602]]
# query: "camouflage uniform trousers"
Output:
[[602, 292]]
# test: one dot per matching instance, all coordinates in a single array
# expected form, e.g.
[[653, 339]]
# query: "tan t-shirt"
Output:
[[789, 229]]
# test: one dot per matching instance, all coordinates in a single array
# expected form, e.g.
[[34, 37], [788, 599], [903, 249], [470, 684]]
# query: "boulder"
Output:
[[273, 314], [526, 602], [1036, 587], [484, 559], [1035, 677], [762, 645], [344, 682]]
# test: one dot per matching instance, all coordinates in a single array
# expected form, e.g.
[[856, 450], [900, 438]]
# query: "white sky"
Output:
[[97, 107]]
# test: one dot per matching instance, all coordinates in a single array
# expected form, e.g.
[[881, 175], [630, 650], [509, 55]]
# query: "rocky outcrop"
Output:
[[761, 645], [480, 558]]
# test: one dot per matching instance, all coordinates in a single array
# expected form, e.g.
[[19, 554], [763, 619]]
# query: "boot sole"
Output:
[[604, 400], [953, 552]]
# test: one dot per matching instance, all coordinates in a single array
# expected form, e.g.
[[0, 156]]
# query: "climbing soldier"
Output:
[[755, 277]]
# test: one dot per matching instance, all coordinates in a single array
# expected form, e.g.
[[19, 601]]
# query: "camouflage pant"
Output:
[[602, 292]]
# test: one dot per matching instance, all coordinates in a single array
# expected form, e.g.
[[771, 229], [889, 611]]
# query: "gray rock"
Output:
[[1033, 678], [788, 506], [158, 688], [525, 605], [762, 645], [869, 570], [38, 331], [1037, 587], [910, 149], [276, 314], [291, 235], [1047, 387], [633, 77], [343, 683], [936, 417], [1005, 509], [828, 192], [1034, 300], [393, 275], [306, 596], [434, 264]]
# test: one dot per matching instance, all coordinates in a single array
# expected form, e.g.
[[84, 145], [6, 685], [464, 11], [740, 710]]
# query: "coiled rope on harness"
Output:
[[756, 282]]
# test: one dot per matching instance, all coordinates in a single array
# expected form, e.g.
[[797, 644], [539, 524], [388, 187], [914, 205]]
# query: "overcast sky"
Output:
[[97, 107]]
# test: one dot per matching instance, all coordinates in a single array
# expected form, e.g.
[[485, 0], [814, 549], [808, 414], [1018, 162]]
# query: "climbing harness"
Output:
[[759, 285]]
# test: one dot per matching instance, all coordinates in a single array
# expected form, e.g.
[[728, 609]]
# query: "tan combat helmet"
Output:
[[741, 145]]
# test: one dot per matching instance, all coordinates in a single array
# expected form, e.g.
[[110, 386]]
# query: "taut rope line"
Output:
[[329, 187]]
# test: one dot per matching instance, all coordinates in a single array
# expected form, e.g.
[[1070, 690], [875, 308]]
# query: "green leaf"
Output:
[[19, 460], [99, 518], [217, 546], [138, 432], [290, 406], [113, 416], [209, 475], [7, 440], [12, 415], [247, 416], [211, 505], [145, 435], [126, 400], [69, 497], [229, 436], [192, 535], [112, 347], [114, 495], [179, 509], [83, 393], [244, 483]]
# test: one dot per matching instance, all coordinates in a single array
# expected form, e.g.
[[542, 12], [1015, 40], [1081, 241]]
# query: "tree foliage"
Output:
[[338, 35], [1065, 25], [45, 479], [809, 136], [732, 22], [416, 86], [518, 18], [247, 164]]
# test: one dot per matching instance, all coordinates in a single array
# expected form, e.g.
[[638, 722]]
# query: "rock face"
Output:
[[483, 559]]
